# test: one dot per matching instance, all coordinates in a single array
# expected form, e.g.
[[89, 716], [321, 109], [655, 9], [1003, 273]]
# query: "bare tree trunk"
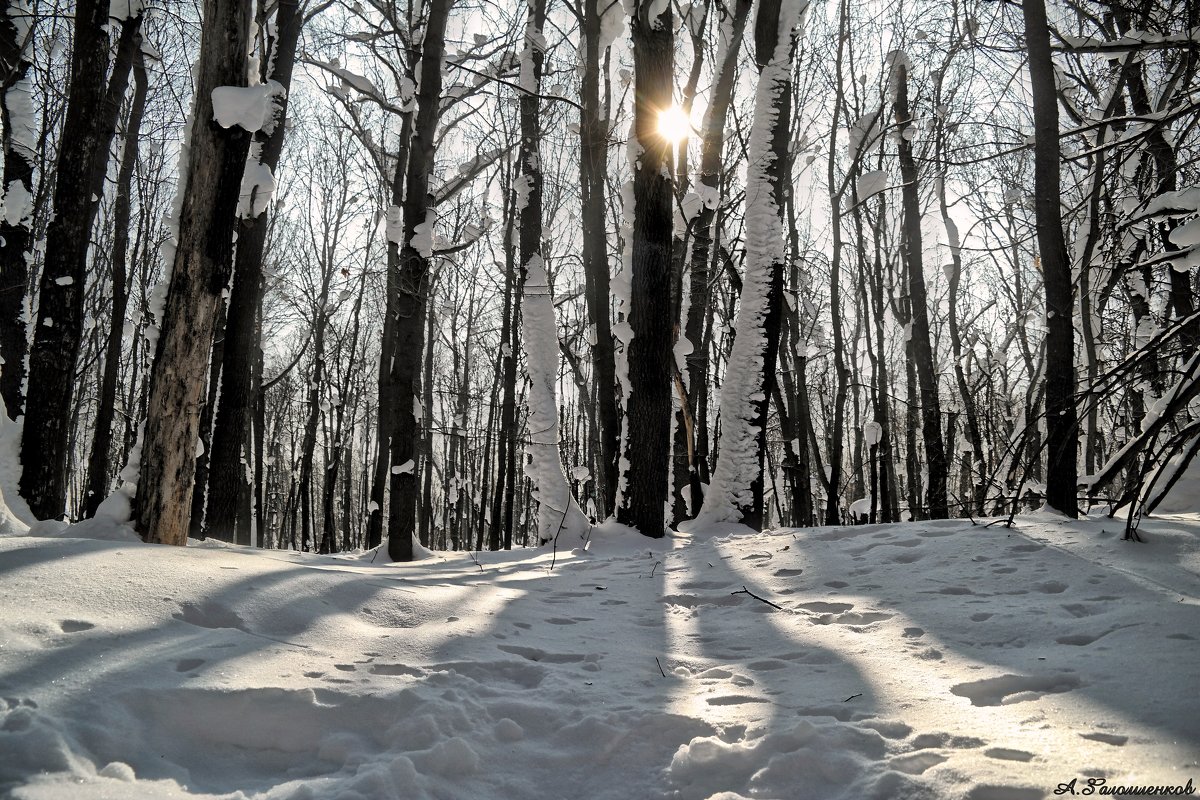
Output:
[[413, 287], [230, 437], [593, 166], [648, 407], [20, 152], [922, 351], [99, 460], [91, 121], [1061, 416], [201, 269]]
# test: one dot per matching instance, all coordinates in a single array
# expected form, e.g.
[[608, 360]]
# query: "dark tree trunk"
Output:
[[922, 350], [15, 234], [91, 121], [231, 429], [505, 467], [201, 271], [98, 462], [413, 290], [648, 408], [1061, 415], [593, 166]]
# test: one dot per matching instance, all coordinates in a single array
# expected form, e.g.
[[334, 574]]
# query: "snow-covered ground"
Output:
[[924, 660]]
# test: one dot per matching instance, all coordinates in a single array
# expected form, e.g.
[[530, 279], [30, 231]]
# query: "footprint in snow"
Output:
[[189, 664], [1007, 754], [1116, 740], [537, 654], [75, 625], [1008, 689], [916, 763]]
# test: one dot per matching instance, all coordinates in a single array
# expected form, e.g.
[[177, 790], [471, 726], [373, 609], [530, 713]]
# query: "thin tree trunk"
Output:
[[98, 462], [922, 350], [593, 166], [558, 512]]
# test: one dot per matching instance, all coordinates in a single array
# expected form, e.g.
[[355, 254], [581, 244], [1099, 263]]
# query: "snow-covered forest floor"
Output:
[[936, 659]]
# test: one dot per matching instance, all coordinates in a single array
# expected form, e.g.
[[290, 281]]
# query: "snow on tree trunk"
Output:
[[20, 145], [737, 487], [558, 512]]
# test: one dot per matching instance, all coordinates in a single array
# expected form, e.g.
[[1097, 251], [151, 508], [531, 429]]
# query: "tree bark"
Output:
[[593, 166], [239, 390], [1061, 415], [922, 351], [20, 153], [200, 273], [558, 512], [650, 357], [418, 212], [89, 126]]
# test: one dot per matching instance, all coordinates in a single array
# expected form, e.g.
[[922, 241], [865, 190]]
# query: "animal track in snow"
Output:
[[188, 664], [1051, 587], [1008, 689]]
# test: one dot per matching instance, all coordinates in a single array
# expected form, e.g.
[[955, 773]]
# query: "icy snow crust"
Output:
[[923, 660]]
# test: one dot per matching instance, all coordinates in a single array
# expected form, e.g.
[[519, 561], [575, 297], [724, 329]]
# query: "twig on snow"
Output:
[[744, 590]]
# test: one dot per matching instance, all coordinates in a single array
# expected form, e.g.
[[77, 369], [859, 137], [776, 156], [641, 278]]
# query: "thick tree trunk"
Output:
[[201, 270], [650, 357], [230, 437], [98, 461], [91, 121], [922, 351], [20, 152], [415, 252], [1061, 415]]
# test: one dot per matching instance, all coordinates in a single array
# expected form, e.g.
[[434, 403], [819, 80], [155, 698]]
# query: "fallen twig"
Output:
[[660, 669], [851, 697], [744, 590]]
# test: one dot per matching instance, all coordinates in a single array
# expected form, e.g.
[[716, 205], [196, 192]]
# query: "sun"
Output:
[[674, 125]]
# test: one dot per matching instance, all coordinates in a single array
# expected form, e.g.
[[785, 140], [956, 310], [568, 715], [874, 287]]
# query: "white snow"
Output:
[[252, 108], [935, 660]]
